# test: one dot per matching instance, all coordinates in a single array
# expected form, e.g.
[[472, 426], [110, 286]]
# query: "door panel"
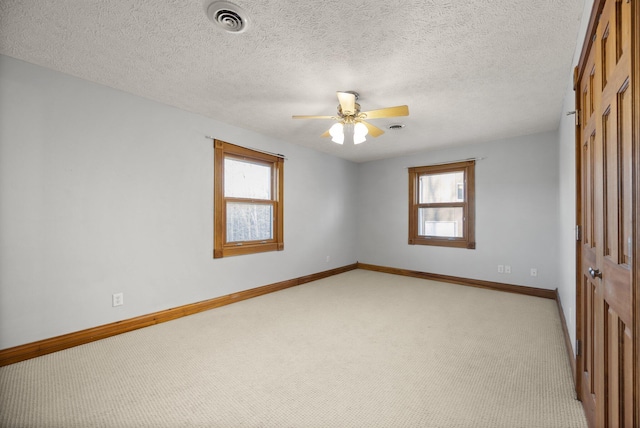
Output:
[[625, 174], [605, 287]]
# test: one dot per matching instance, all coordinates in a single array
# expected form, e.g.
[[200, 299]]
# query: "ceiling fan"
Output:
[[351, 119]]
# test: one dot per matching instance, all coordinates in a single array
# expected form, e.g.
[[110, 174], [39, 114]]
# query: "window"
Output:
[[442, 205], [247, 194]]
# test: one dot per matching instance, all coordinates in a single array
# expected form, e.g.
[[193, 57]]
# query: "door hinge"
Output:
[[578, 348], [578, 233], [577, 116]]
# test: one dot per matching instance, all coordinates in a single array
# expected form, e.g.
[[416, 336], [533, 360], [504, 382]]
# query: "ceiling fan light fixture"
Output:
[[337, 133], [359, 133]]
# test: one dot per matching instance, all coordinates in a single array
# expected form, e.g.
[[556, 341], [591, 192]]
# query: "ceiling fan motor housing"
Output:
[[346, 116]]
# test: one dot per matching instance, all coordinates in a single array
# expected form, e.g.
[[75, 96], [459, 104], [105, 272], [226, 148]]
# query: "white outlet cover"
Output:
[[117, 299]]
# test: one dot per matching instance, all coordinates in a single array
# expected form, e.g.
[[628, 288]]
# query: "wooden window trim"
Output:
[[221, 248], [468, 238]]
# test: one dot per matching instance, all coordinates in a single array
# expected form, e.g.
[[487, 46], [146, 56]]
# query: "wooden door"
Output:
[[605, 291]]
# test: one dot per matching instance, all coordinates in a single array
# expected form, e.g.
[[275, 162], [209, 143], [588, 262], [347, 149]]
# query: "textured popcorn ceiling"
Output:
[[470, 71]]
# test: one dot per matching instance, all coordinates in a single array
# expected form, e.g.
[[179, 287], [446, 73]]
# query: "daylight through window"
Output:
[[248, 197], [442, 205]]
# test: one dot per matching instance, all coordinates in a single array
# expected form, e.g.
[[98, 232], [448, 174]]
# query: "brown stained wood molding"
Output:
[[58, 343], [529, 291], [567, 337]]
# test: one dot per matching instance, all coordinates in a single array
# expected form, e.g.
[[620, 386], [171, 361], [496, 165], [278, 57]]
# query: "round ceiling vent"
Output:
[[228, 16]]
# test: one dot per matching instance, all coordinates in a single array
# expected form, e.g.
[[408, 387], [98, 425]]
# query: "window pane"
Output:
[[441, 222], [249, 222], [244, 179], [447, 187]]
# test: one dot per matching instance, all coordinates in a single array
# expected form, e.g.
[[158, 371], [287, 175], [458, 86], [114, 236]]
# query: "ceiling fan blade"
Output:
[[347, 103], [326, 134], [374, 131], [314, 117], [386, 112]]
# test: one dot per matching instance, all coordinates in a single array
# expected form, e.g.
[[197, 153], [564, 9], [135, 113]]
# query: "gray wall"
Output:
[[104, 192], [516, 213]]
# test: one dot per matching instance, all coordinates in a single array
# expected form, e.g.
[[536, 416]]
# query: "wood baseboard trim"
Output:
[[58, 343], [567, 337], [529, 291]]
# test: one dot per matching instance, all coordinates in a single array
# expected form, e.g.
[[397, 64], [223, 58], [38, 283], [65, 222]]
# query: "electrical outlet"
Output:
[[500, 268], [327, 259], [534, 272], [507, 269], [117, 299]]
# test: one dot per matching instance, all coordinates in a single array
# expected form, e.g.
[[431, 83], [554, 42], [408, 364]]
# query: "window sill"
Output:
[[238, 250], [455, 243]]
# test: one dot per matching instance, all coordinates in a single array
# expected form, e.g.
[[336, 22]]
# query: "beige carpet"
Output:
[[361, 349]]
